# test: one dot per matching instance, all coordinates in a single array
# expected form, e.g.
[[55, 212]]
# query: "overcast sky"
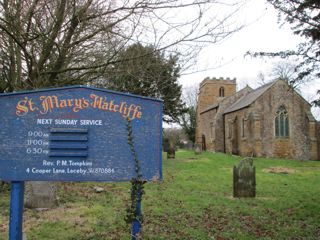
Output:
[[262, 33]]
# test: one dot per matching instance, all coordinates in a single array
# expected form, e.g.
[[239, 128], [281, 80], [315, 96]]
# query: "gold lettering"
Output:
[[77, 105], [31, 106], [111, 105], [70, 102], [85, 103], [135, 112], [95, 100], [21, 108], [115, 108], [48, 103], [105, 106], [63, 103]]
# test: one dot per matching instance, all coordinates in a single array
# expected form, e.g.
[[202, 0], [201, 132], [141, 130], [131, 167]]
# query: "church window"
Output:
[[282, 123], [221, 92]]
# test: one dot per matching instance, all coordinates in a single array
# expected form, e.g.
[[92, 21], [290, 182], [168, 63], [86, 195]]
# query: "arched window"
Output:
[[221, 92], [282, 123]]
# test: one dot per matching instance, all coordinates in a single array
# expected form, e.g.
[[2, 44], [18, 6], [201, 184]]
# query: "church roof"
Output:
[[246, 100], [310, 117], [213, 106], [226, 99]]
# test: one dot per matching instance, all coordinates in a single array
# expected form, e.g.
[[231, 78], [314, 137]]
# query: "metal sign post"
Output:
[[16, 210], [136, 224], [76, 134]]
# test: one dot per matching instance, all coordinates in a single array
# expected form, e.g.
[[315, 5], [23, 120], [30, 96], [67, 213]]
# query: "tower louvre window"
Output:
[[221, 92]]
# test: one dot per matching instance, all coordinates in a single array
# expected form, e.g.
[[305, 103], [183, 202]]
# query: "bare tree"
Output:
[[54, 43], [261, 79], [303, 17], [188, 118], [172, 136], [47, 43], [285, 70]]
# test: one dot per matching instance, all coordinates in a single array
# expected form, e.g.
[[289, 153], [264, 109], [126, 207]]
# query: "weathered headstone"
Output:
[[40, 195], [197, 149], [171, 152], [189, 145], [244, 179], [166, 145]]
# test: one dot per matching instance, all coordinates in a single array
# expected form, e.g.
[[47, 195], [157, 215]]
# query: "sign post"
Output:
[[136, 224], [76, 134], [16, 210]]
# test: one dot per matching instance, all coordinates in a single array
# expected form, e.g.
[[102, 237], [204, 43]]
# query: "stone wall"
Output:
[[208, 123], [301, 141], [314, 140], [209, 95], [244, 133], [255, 126], [213, 124]]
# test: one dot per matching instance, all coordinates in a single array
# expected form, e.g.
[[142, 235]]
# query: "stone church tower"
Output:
[[211, 92]]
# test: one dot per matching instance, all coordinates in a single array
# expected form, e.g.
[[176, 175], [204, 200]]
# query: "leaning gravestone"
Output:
[[244, 179]]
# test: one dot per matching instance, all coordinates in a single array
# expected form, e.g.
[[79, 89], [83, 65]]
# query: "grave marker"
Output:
[[244, 179]]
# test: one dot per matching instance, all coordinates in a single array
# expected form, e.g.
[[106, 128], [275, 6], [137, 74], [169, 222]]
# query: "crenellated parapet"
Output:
[[218, 81]]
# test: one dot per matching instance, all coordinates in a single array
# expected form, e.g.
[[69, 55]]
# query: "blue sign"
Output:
[[78, 134]]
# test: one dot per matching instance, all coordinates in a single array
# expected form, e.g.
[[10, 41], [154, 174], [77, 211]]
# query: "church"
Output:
[[270, 121]]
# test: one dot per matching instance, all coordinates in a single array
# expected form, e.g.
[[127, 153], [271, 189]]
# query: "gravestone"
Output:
[[40, 195], [166, 145], [244, 179], [197, 149], [189, 145], [171, 152]]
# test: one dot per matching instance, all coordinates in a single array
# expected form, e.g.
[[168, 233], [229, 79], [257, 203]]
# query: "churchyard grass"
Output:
[[194, 201]]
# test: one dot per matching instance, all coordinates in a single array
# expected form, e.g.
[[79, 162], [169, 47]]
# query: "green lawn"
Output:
[[194, 201]]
